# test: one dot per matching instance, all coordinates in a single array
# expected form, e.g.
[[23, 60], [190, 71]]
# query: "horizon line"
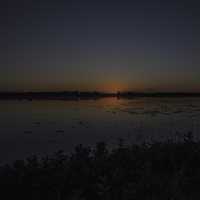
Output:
[[101, 92]]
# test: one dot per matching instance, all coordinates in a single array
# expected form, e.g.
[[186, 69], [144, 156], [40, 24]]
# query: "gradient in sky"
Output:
[[101, 45]]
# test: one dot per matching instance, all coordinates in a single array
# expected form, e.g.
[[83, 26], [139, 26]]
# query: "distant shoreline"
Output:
[[75, 95]]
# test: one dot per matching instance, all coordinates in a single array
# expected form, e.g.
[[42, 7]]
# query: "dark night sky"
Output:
[[144, 45]]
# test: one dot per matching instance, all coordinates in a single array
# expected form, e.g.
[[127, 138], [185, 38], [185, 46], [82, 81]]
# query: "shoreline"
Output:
[[90, 95]]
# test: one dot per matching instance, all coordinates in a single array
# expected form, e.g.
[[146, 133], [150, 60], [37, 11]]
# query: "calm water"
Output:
[[43, 127]]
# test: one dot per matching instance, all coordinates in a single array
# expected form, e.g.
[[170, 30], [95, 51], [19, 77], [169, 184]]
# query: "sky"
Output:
[[102, 45]]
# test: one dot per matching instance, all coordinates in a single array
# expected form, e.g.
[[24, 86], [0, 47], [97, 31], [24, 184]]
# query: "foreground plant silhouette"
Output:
[[161, 170]]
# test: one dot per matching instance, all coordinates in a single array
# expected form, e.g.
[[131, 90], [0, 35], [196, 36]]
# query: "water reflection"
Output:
[[29, 127]]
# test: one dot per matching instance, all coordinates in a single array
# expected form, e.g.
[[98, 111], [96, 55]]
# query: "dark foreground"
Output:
[[169, 170]]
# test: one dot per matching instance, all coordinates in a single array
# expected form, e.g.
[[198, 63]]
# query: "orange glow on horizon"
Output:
[[112, 87]]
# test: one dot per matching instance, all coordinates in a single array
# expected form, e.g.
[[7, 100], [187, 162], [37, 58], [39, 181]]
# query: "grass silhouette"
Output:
[[159, 170]]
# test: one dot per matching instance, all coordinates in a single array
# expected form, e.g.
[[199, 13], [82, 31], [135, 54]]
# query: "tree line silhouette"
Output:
[[76, 95]]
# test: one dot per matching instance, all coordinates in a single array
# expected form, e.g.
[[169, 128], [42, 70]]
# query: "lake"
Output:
[[44, 127]]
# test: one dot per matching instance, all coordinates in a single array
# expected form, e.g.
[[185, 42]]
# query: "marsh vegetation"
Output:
[[158, 170]]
